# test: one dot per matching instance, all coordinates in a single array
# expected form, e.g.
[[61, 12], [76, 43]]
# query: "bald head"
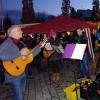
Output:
[[15, 32]]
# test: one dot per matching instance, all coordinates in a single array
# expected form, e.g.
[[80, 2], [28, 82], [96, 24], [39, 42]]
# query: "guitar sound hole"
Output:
[[15, 65], [17, 68]]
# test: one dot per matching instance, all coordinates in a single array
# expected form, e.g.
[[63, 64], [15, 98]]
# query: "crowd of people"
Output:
[[17, 46]]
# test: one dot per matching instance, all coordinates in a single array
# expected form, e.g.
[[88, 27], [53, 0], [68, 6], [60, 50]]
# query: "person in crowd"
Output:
[[2, 36], [63, 39], [80, 37], [38, 59], [2, 39], [66, 38], [55, 59], [98, 48], [93, 38], [11, 49]]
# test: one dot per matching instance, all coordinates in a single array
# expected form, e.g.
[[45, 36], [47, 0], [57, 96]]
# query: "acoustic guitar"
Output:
[[18, 65], [47, 53]]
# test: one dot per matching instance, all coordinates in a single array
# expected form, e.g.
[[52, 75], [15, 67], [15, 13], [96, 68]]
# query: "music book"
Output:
[[48, 46], [74, 51]]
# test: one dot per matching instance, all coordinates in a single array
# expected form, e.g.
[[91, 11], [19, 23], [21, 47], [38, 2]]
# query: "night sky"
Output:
[[48, 6]]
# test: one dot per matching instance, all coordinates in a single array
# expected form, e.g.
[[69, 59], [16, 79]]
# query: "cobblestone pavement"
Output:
[[41, 87]]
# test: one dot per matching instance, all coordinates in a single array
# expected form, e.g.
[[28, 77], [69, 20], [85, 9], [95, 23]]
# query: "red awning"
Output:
[[58, 24]]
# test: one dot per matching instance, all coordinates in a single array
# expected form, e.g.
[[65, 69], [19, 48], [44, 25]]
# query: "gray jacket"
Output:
[[9, 51]]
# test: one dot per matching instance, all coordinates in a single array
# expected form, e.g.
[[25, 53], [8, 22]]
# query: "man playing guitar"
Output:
[[15, 56]]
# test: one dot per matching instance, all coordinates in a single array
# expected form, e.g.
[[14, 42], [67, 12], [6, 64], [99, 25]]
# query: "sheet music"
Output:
[[48, 46], [79, 51], [74, 51], [61, 49]]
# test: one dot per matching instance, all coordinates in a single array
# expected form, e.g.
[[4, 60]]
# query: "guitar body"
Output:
[[17, 66]]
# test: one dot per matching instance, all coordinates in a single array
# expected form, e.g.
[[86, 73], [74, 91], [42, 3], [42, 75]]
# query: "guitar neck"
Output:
[[36, 49], [33, 50]]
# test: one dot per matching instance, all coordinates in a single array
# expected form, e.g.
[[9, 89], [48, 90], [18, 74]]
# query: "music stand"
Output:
[[74, 51]]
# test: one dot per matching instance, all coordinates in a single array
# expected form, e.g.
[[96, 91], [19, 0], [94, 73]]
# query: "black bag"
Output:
[[92, 90], [84, 93]]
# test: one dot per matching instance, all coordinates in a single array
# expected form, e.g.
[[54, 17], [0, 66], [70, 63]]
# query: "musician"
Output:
[[10, 49], [80, 37]]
